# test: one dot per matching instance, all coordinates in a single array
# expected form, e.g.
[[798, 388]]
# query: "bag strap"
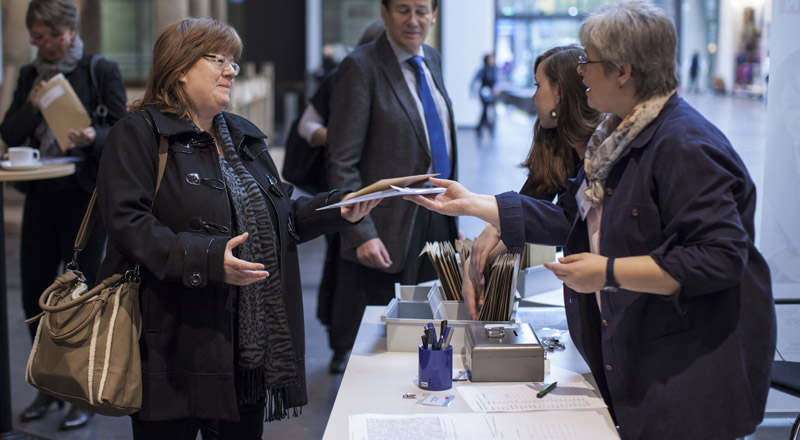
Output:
[[101, 111], [88, 218]]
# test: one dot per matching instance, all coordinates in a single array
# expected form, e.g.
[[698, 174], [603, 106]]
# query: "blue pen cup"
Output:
[[436, 369]]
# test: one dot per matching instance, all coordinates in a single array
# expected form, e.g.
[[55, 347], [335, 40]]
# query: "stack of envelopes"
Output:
[[445, 261], [500, 288], [501, 276]]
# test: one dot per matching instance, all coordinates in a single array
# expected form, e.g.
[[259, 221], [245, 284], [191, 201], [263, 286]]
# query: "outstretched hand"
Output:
[[357, 211], [453, 202], [240, 272]]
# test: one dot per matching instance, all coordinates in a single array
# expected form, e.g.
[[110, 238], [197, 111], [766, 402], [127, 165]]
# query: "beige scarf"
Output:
[[604, 149]]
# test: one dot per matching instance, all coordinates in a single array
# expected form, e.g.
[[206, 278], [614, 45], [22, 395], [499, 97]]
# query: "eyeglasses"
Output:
[[582, 61], [223, 62]]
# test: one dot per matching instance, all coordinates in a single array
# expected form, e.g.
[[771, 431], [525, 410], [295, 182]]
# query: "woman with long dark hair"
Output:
[[564, 124]]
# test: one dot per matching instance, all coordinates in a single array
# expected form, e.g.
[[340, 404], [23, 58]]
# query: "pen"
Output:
[[433, 335], [442, 335], [546, 390], [448, 335]]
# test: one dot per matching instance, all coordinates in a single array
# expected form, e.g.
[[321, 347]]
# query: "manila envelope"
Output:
[[62, 109]]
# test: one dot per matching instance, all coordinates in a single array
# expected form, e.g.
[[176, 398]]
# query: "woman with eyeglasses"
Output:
[[222, 317], [667, 298], [54, 208]]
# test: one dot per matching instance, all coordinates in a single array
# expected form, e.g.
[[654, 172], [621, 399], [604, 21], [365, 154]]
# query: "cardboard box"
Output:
[[510, 353]]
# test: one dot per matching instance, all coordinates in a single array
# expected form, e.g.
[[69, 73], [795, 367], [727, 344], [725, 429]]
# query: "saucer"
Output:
[[11, 167]]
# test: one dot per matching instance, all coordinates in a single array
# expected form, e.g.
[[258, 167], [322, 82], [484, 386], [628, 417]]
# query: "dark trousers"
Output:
[[50, 222], [358, 286], [487, 115], [250, 427]]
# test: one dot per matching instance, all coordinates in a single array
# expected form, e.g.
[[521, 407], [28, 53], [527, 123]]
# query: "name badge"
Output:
[[584, 204]]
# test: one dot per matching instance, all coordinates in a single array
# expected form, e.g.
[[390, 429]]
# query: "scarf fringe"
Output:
[[252, 391], [251, 386], [276, 406]]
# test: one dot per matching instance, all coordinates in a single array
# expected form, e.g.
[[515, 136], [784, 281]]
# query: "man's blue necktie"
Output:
[[441, 163]]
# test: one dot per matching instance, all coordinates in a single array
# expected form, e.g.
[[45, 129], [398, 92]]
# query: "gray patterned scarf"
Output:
[[46, 70], [266, 365], [611, 141]]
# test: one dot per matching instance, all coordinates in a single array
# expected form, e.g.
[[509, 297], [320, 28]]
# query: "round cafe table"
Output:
[[45, 171]]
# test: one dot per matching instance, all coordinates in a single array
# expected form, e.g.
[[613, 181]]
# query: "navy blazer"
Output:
[[695, 364]]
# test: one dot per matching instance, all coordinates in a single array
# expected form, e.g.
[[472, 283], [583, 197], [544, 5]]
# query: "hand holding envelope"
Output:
[[63, 111], [398, 186]]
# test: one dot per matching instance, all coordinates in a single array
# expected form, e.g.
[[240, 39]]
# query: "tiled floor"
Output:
[[488, 165]]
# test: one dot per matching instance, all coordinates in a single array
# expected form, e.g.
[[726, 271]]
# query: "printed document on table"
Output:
[[521, 397], [577, 425]]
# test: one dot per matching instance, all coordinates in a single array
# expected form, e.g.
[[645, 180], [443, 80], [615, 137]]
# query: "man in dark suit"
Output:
[[390, 117]]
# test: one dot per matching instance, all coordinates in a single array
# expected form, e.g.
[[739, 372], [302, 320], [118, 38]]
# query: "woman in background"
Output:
[[564, 124], [54, 208]]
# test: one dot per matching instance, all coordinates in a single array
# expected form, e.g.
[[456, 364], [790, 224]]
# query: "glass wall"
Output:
[[128, 36], [527, 28]]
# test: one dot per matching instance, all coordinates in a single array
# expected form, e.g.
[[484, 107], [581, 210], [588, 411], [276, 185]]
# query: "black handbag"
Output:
[[303, 165]]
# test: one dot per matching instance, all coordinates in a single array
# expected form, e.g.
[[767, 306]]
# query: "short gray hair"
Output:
[[638, 33]]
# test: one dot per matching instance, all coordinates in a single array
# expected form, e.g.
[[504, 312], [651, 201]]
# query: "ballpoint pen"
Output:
[[546, 390], [432, 330], [448, 335]]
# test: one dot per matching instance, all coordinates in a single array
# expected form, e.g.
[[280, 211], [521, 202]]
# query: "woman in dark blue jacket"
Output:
[[667, 298]]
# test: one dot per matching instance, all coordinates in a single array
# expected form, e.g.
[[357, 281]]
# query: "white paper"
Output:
[[515, 398], [577, 425], [395, 191], [51, 96]]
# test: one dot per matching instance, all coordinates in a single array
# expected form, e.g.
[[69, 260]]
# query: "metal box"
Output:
[[510, 353], [406, 318]]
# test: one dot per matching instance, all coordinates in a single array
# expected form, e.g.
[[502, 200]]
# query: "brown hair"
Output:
[[178, 47], [551, 160], [58, 14]]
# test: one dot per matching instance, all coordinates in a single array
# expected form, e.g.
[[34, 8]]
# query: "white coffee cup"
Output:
[[19, 156]]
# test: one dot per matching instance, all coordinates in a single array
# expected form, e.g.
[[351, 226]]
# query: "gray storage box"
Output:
[[406, 319], [510, 353]]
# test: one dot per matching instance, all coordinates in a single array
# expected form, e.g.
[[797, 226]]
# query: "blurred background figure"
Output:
[[54, 208], [329, 62], [485, 82], [694, 69], [312, 131]]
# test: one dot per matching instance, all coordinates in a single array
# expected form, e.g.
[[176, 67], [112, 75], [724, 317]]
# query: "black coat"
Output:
[[188, 324], [21, 121]]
